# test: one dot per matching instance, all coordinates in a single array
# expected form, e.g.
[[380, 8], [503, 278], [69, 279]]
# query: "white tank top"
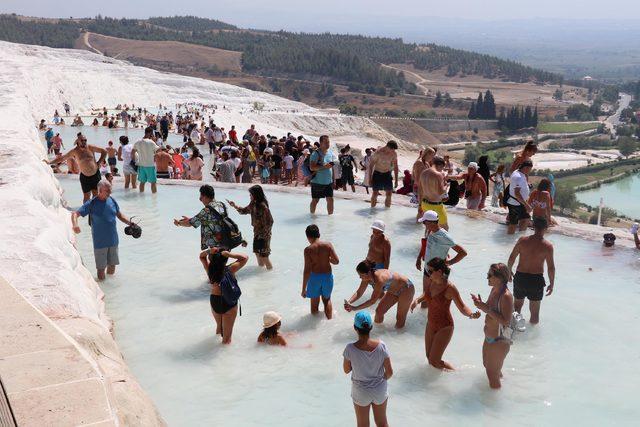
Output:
[[126, 154]]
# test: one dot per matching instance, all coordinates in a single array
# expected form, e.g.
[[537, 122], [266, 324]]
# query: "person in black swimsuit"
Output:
[[224, 311]]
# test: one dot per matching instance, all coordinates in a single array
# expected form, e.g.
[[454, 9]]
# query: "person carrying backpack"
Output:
[[216, 228], [225, 291]]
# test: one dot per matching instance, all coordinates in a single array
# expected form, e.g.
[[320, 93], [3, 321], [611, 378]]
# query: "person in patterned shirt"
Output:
[[262, 222], [210, 224]]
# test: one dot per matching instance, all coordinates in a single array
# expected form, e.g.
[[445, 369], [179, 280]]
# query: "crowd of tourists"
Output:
[[296, 160]]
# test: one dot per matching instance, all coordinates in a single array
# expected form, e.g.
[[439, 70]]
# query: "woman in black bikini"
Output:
[[388, 287], [224, 312], [499, 308]]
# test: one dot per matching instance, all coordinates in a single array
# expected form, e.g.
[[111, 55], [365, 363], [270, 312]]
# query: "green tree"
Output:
[[472, 111], [438, 100], [479, 107], [557, 95], [489, 106], [471, 154], [627, 146], [566, 197]]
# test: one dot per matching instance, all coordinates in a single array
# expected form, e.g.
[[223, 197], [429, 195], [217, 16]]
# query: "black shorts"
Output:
[[262, 246], [90, 183], [517, 213], [219, 305], [381, 181], [320, 191], [111, 161], [527, 285], [347, 176], [164, 175]]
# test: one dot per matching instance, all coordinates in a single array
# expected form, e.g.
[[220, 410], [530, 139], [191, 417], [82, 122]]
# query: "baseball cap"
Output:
[[362, 320], [525, 164], [378, 225], [430, 216]]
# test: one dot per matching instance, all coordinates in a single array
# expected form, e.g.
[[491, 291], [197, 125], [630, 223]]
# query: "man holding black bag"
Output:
[[103, 211]]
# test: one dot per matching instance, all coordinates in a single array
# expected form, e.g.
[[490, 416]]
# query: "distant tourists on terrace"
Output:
[[383, 161], [103, 211], [634, 232]]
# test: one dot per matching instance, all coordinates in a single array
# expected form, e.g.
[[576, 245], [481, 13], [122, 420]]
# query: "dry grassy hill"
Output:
[[169, 53]]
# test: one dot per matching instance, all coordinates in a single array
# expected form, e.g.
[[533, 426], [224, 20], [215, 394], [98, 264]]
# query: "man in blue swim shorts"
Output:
[[317, 279]]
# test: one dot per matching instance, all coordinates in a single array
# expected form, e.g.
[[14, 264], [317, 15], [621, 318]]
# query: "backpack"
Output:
[[229, 286], [231, 235], [306, 165], [454, 194]]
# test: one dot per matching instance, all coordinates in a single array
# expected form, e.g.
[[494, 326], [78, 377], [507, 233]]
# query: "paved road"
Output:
[[612, 121]]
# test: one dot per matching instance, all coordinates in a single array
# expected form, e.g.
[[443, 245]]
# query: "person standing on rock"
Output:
[[383, 161], [89, 167], [103, 211]]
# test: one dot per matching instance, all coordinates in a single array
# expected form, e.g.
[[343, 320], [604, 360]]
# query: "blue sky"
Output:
[[335, 14]]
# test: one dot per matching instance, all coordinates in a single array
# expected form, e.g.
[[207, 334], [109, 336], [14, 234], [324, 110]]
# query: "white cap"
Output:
[[378, 225], [431, 216], [473, 165]]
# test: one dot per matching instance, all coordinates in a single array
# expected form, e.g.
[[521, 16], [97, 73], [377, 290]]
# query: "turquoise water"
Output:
[[580, 366], [622, 195]]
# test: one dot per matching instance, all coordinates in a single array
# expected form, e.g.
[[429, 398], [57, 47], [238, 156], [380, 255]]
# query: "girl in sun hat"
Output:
[[271, 322], [369, 362]]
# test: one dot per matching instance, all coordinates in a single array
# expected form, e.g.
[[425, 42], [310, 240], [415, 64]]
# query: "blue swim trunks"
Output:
[[379, 266], [320, 284]]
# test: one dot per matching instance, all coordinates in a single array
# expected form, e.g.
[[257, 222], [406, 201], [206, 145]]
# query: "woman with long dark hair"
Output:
[[438, 296], [389, 288], [498, 308], [262, 222], [224, 311]]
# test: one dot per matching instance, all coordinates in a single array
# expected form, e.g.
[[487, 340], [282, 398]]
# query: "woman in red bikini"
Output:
[[438, 296]]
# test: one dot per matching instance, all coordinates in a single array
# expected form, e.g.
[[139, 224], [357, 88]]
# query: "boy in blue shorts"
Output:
[[317, 279]]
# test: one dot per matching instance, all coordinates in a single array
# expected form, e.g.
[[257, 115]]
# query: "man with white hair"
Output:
[[475, 188], [103, 211]]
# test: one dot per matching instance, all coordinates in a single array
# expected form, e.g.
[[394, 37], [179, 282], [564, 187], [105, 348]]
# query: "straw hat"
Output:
[[270, 318]]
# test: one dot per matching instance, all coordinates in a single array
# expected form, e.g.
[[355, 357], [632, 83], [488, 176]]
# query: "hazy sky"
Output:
[[333, 15]]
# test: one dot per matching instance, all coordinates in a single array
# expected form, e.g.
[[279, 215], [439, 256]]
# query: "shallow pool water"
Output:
[[620, 195], [580, 366]]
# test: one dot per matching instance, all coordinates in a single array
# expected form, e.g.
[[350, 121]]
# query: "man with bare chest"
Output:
[[528, 282], [383, 161], [379, 246], [475, 187], [317, 278], [84, 154], [432, 190]]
